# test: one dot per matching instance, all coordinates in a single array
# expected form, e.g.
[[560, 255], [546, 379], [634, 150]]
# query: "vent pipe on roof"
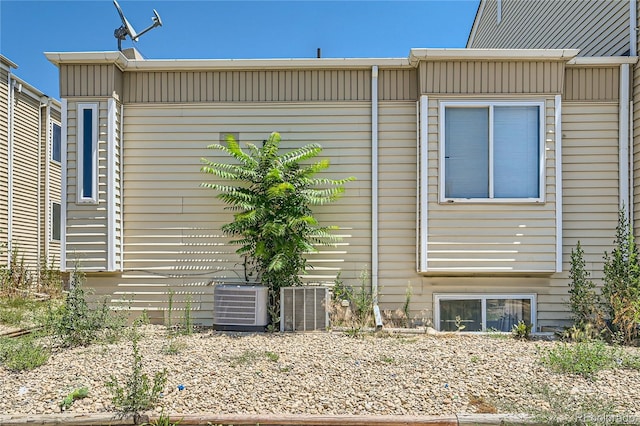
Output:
[[319, 53]]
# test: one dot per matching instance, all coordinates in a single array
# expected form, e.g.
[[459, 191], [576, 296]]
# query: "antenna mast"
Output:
[[126, 29]]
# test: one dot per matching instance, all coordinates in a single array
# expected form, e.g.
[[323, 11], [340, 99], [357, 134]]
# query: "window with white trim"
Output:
[[483, 312], [87, 150], [56, 226], [492, 151], [56, 142]]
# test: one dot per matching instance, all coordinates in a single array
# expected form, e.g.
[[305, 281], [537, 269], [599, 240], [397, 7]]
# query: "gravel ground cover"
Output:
[[318, 373]]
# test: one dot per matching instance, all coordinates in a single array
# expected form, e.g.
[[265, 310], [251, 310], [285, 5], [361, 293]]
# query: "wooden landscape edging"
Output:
[[104, 419]]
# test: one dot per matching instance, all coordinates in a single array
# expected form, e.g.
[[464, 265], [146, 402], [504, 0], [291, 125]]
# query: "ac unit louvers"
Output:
[[304, 308], [240, 307]]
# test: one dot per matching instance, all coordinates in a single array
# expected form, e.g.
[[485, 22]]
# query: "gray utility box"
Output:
[[240, 307]]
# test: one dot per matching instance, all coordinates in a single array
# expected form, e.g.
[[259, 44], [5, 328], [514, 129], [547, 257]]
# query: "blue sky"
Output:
[[228, 29]]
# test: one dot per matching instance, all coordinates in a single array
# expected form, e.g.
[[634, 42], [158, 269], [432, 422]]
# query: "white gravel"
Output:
[[315, 373]]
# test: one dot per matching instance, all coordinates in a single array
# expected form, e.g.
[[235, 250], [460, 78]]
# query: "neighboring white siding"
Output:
[[598, 28]]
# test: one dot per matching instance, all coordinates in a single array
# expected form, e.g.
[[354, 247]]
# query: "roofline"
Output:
[[35, 93], [603, 60], [493, 54], [476, 20], [125, 64], [8, 63], [116, 58]]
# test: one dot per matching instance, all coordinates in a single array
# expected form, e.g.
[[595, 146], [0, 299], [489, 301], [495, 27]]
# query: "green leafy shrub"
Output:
[[621, 289], [78, 322], [22, 353], [15, 279], [521, 330], [138, 393], [587, 358], [68, 400], [271, 194], [583, 299]]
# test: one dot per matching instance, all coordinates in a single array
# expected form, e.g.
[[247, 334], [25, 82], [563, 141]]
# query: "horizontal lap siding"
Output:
[[86, 225], [635, 167], [598, 28], [4, 184], [55, 195], [172, 226], [590, 175], [397, 205], [24, 230], [491, 237]]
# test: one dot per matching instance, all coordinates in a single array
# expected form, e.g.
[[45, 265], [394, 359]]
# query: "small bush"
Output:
[[138, 393], [585, 358], [583, 299], [23, 353], [15, 279], [79, 323], [522, 330]]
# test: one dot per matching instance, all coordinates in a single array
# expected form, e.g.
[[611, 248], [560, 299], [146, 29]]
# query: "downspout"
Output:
[[39, 190], [633, 29], [374, 195], [559, 182], [63, 181], [47, 181], [633, 51], [623, 140], [10, 170]]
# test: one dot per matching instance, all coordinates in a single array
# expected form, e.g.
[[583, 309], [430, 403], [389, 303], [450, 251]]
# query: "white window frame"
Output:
[[491, 104], [52, 223], [437, 297], [81, 198], [55, 123]]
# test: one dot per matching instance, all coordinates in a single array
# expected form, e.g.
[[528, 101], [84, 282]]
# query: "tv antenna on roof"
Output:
[[127, 29]]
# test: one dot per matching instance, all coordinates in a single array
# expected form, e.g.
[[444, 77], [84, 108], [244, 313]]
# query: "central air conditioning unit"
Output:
[[304, 308], [240, 307]]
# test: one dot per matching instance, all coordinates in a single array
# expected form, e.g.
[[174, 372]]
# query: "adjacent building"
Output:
[[30, 172]]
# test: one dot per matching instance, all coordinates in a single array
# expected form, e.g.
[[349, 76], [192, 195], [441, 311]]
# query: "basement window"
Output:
[[87, 154], [483, 312]]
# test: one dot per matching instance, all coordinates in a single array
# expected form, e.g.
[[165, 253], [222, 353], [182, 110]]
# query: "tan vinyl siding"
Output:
[[457, 77], [172, 236], [397, 167], [590, 191], [26, 140], [598, 28], [90, 80], [248, 86], [86, 223], [4, 149], [592, 84], [490, 237], [117, 187], [635, 128], [55, 195]]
